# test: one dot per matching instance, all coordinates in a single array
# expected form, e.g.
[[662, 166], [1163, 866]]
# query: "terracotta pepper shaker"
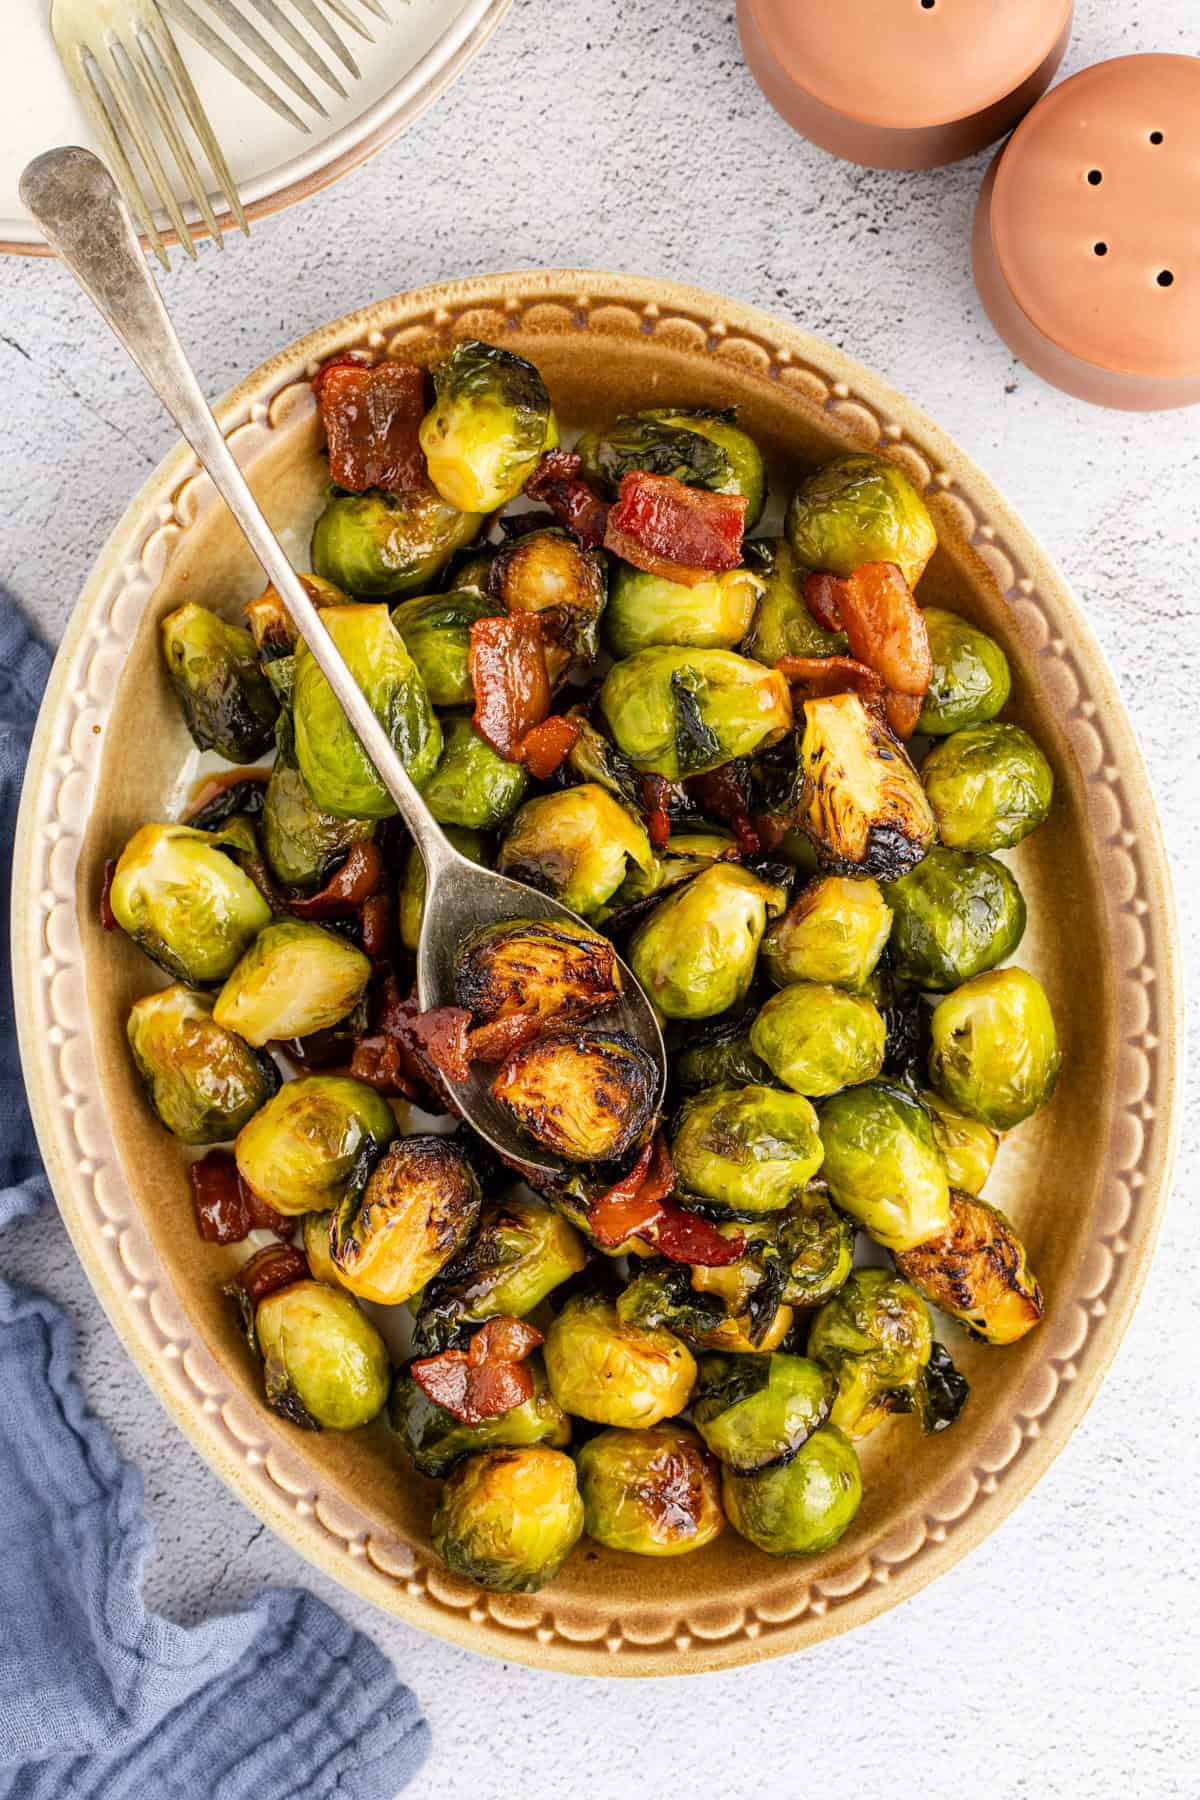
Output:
[[903, 84], [1087, 235]]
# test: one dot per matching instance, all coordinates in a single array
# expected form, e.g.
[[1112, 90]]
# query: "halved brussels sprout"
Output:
[[876, 1336], [834, 931], [977, 1272], [814, 1244], [521, 1251], [971, 679], [589, 1095], [275, 636], [968, 1146], [547, 572], [695, 445], [696, 952], [860, 509], [487, 428], [227, 701], [301, 842], [729, 1308], [185, 902], [337, 770], [883, 1166], [678, 712], [783, 625], [472, 786], [324, 1363], [989, 787], [861, 800], [416, 1210], [436, 1441], [685, 854], [300, 1151], [411, 908], [437, 635], [719, 1055], [753, 1149], [753, 1411], [593, 757], [817, 1039], [296, 978], [645, 609], [994, 1050], [546, 967], [652, 1492], [315, 1237], [956, 915], [576, 844], [509, 1519], [799, 1507], [377, 544], [613, 1372], [203, 1082]]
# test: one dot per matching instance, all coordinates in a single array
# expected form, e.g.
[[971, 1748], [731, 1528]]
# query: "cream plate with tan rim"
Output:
[[1085, 1181]]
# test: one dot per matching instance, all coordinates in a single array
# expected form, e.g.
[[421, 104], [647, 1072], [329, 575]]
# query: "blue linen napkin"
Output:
[[98, 1699]]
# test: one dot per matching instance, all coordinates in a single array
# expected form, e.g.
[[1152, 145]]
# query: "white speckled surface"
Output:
[[1062, 1660]]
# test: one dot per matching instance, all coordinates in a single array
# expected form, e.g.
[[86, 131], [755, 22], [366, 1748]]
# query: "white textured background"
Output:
[[1062, 1660]]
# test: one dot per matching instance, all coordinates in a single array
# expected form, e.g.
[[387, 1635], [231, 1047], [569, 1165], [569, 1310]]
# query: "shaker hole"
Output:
[[1100, 249], [1165, 278], [929, 5], [1095, 177], [1156, 137]]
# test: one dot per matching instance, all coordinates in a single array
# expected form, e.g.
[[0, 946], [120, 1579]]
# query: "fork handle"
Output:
[[74, 199]]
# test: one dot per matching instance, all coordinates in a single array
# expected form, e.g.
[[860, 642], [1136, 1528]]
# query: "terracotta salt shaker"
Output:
[[903, 84], [1087, 235]]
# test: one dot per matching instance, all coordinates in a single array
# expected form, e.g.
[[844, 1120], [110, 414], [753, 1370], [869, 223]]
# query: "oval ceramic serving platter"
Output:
[[1085, 1181]]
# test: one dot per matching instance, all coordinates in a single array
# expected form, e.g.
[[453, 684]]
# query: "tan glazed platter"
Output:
[[1085, 1182]]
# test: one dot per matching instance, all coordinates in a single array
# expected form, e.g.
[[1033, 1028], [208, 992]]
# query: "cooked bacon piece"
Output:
[[822, 596], [656, 793], [371, 415], [347, 888], [508, 672], [503, 1339], [343, 359], [226, 1209], [638, 1206], [496, 1041], [817, 676], [683, 1237], [723, 794], [377, 918], [108, 918], [216, 787], [488, 1379], [270, 1269], [547, 746], [902, 712], [886, 627], [379, 1061], [683, 534], [442, 1035], [556, 483]]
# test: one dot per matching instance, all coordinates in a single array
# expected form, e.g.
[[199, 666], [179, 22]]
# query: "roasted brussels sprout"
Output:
[[695, 954], [861, 800], [337, 771], [882, 1164], [977, 1272], [547, 572], [315, 1237], [301, 842], [994, 1050], [436, 1441], [653, 1492], [437, 635], [678, 712], [817, 1039], [971, 680], [301, 1150], [834, 931], [296, 978], [375, 544], [783, 625], [509, 1519], [521, 1252], [989, 787], [411, 908], [697, 446], [956, 915], [487, 428], [752, 1149], [203, 1082], [645, 609], [324, 1363], [613, 1372], [814, 1244], [415, 1211], [728, 1308], [472, 786], [753, 1411], [860, 509], [719, 1055], [576, 844], [876, 1336], [588, 1095], [185, 902], [275, 636], [549, 968], [685, 854], [799, 1507], [968, 1146], [227, 701]]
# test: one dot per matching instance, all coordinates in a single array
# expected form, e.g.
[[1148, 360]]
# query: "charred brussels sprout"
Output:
[[411, 908], [185, 902], [753, 1411], [509, 1519], [227, 701], [644, 610], [546, 572], [988, 787], [861, 800], [814, 1244], [472, 786], [799, 1507], [720, 1055], [994, 1050], [834, 931], [487, 428], [588, 1095], [520, 1252], [576, 844], [696, 952], [882, 1164], [977, 1272], [612, 1371], [956, 915], [968, 1146], [275, 636], [296, 978], [685, 854], [203, 1082], [876, 1337], [678, 712], [416, 1210], [324, 1363], [651, 1492], [817, 1039], [436, 1441], [971, 680], [550, 968], [437, 635], [337, 771], [729, 1308], [301, 1150], [752, 1149], [860, 509], [697, 446], [300, 841], [783, 625], [375, 544]]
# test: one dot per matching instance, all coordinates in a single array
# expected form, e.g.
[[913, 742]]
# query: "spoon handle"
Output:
[[74, 199]]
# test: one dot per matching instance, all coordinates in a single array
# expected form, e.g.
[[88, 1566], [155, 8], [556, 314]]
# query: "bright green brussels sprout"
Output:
[[302, 1148], [883, 1166], [315, 1237], [861, 800], [653, 1492], [411, 908], [720, 1055], [697, 446], [337, 771], [437, 635], [436, 1441], [988, 787], [684, 855], [968, 1146], [521, 1252], [994, 1050], [956, 915], [472, 786], [509, 1519], [550, 968], [695, 954], [646, 609], [860, 509], [547, 572], [588, 1095], [753, 1411], [275, 636], [203, 1082], [978, 1273], [487, 428], [324, 1363], [375, 544], [185, 902], [752, 1149], [834, 931], [817, 1039], [970, 681], [227, 701], [814, 1244], [799, 1507], [876, 1336], [678, 712], [300, 842], [575, 844], [614, 1372], [296, 978], [783, 625], [415, 1211], [731, 1308]]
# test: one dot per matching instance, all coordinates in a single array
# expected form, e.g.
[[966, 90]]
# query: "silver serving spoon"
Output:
[[75, 200]]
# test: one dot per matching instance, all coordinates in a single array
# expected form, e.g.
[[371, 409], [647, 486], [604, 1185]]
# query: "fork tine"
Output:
[[85, 76], [235, 20], [198, 28], [377, 7], [165, 114], [316, 18], [273, 14], [189, 99], [113, 67], [342, 11]]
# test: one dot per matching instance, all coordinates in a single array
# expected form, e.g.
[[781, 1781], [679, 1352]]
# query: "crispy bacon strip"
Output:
[[817, 676], [371, 415], [442, 1034], [683, 1237], [547, 746], [722, 794], [683, 534], [639, 1206], [347, 889], [108, 918], [496, 1041], [902, 712], [655, 791], [226, 1209], [822, 596], [886, 627], [270, 1269], [556, 484], [486, 1380], [508, 672]]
